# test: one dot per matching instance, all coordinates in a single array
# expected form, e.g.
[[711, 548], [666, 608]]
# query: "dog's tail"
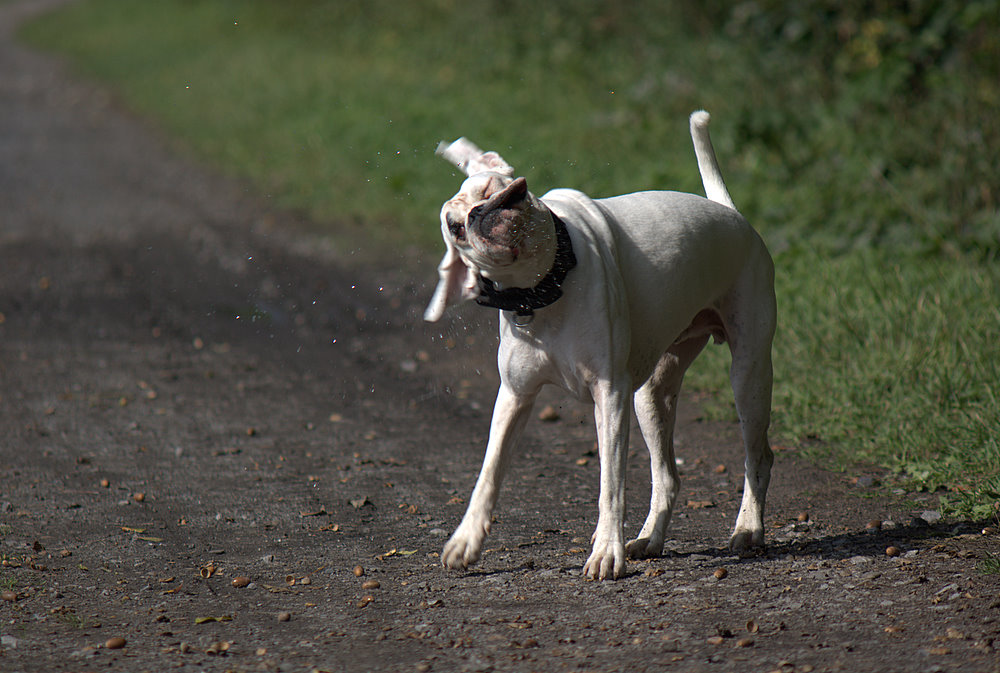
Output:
[[708, 166]]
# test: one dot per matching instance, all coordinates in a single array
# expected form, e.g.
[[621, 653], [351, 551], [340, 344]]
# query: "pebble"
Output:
[[952, 633], [284, 616], [358, 571], [115, 643], [892, 551], [139, 497], [744, 642], [930, 516], [874, 525], [240, 582], [803, 517], [370, 584], [549, 414], [9, 596], [721, 573]]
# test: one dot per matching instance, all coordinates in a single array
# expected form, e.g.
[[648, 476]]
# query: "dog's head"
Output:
[[492, 227]]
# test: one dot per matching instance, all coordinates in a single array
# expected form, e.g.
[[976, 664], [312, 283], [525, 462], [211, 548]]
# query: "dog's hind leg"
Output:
[[509, 416], [656, 410], [751, 331]]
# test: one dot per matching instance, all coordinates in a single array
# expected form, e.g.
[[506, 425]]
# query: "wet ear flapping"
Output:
[[457, 283], [464, 154]]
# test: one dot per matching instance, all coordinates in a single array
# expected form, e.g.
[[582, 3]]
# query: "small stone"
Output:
[[358, 571], [105, 483], [241, 581], [720, 469], [892, 551], [720, 573], [9, 596], [803, 517], [284, 616], [220, 647], [930, 516], [139, 497], [549, 414], [365, 600], [989, 530], [115, 643], [368, 585], [874, 525], [954, 634], [715, 640], [744, 642]]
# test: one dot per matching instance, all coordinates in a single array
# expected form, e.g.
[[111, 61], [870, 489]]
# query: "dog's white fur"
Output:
[[658, 274]]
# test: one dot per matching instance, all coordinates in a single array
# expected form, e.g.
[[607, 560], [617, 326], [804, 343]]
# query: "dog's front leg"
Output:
[[611, 410], [509, 416]]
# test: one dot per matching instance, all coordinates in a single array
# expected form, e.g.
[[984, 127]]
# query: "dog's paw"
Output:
[[746, 541], [461, 551], [644, 547], [606, 562]]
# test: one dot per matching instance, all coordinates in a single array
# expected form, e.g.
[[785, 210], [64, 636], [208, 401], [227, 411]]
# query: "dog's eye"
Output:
[[456, 228]]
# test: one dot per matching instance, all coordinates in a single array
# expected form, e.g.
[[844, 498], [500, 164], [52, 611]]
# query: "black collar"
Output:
[[523, 301]]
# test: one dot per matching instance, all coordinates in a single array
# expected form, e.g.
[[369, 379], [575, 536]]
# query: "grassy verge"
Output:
[[851, 134]]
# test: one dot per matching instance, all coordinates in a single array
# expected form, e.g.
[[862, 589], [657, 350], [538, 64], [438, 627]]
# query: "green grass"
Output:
[[989, 565], [856, 136]]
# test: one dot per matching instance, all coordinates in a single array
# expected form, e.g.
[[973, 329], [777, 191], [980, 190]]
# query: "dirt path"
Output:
[[195, 389]]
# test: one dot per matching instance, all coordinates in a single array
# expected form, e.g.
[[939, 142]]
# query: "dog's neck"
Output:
[[544, 290]]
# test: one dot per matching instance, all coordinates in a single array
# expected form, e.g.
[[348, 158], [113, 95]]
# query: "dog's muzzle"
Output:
[[523, 302]]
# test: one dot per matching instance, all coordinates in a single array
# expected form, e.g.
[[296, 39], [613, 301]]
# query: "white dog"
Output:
[[610, 299]]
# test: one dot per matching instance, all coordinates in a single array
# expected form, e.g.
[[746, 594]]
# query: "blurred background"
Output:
[[859, 137]]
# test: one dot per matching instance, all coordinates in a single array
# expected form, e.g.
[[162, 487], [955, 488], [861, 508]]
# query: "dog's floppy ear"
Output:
[[456, 283], [471, 160]]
